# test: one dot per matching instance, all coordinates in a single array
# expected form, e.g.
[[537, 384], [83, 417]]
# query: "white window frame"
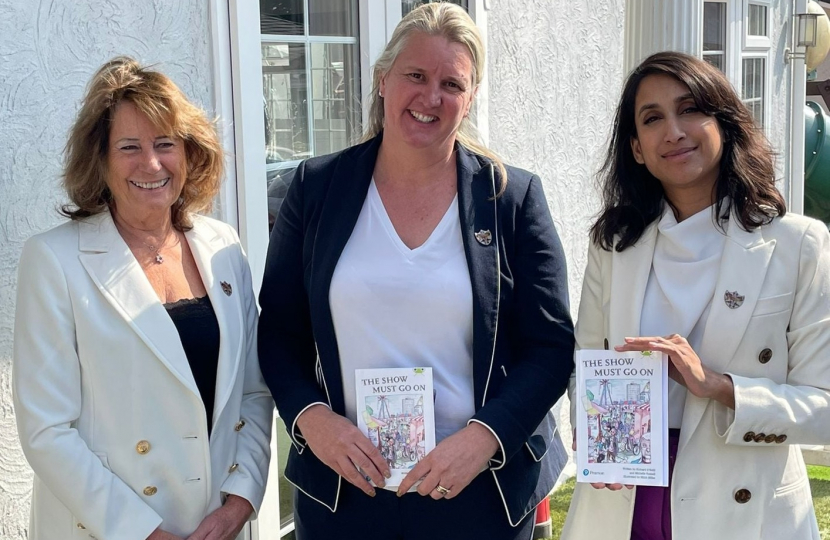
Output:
[[757, 42], [237, 66], [740, 46]]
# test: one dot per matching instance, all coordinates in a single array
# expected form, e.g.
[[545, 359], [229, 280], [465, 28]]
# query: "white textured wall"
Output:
[[48, 51], [555, 73]]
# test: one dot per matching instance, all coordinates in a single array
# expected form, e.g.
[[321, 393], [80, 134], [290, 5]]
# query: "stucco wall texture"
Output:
[[48, 52], [555, 74]]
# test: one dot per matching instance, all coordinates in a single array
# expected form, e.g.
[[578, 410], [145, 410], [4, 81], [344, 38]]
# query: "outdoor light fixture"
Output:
[[806, 32]]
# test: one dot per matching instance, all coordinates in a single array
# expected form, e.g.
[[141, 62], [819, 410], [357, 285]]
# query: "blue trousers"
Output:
[[477, 513]]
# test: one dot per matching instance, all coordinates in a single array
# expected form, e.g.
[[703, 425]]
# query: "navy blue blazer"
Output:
[[522, 331]]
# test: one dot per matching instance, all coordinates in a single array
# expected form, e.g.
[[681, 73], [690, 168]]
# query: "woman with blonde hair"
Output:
[[143, 412], [419, 248]]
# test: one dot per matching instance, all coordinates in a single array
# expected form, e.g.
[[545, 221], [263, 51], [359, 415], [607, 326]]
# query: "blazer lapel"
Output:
[[629, 276], [214, 264], [743, 267], [342, 205], [116, 273], [477, 213]]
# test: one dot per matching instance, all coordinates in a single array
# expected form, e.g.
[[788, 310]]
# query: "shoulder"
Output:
[[326, 164], [792, 227], [203, 225], [59, 239]]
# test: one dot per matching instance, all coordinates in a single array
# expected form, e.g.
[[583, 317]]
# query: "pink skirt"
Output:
[[652, 505]]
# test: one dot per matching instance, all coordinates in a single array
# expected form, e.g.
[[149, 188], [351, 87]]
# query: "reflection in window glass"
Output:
[[714, 33], [757, 20], [336, 106], [285, 92], [752, 90], [409, 5], [281, 17], [332, 18]]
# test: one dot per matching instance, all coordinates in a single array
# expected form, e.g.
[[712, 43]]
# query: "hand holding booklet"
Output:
[[396, 411], [622, 417]]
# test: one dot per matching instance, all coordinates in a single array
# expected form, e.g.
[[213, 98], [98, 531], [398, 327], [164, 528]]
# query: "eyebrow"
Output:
[[134, 139], [679, 99]]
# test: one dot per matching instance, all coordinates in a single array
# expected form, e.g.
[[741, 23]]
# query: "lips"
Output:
[[679, 152], [422, 118], [151, 185]]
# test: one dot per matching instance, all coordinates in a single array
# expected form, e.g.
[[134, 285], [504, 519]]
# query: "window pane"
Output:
[[757, 20], [335, 100], [332, 17], [409, 5], [714, 26], [714, 59], [286, 489], [281, 17], [752, 90]]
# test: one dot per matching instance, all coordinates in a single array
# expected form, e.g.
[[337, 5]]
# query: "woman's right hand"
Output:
[[340, 445]]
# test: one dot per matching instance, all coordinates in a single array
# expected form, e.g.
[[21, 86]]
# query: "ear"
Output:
[[382, 85], [472, 99], [637, 151]]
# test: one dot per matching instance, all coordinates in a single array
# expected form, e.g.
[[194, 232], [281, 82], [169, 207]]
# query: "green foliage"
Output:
[[819, 483]]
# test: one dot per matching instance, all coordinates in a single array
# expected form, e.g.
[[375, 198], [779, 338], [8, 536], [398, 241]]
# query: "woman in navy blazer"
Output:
[[508, 455]]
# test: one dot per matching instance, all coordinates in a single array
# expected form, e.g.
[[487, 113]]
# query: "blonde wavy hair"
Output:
[[454, 24], [167, 108]]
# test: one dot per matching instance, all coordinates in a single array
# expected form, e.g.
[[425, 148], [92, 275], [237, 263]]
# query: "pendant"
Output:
[[159, 258]]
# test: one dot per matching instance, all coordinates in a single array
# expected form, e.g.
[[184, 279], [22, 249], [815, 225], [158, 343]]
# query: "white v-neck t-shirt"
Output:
[[393, 306]]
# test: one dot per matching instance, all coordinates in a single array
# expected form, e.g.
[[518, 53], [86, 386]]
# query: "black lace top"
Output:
[[199, 331]]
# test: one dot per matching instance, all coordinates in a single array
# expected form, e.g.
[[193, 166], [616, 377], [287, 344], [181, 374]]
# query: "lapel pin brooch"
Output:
[[226, 288], [733, 299], [484, 237]]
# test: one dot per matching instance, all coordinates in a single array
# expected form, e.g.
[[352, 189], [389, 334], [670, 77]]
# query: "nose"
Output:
[[433, 94], [674, 130], [151, 161]]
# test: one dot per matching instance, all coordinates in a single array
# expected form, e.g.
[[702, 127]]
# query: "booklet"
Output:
[[622, 417], [396, 411]]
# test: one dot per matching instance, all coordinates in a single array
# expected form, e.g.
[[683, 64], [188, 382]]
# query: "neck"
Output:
[[153, 229], [686, 205], [414, 167]]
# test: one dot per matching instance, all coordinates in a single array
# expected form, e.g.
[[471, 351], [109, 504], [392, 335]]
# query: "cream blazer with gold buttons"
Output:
[[108, 412], [739, 473]]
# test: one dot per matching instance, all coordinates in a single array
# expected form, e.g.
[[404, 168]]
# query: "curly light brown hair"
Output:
[[166, 106]]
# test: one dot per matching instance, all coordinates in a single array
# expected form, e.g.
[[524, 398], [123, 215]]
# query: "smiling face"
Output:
[[679, 144], [146, 168], [427, 93]]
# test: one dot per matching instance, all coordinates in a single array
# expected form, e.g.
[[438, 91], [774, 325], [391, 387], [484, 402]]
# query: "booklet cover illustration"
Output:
[[395, 410], [621, 429]]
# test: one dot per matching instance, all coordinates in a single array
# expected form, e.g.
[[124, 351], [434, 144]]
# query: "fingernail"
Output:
[[382, 484], [372, 493], [387, 474], [399, 494], [629, 339]]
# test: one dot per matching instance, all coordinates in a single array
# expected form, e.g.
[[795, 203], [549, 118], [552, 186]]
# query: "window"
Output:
[[310, 85], [714, 34], [409, 5], [736, 40], [752, 87]]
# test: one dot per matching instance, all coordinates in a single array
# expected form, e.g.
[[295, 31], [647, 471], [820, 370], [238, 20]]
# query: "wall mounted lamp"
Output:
[[806, 32]]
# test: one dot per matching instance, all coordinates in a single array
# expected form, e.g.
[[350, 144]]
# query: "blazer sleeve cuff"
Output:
[[498, 460], [239, 483], [297, 438]]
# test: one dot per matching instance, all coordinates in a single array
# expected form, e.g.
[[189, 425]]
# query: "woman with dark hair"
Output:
[[693, 255]]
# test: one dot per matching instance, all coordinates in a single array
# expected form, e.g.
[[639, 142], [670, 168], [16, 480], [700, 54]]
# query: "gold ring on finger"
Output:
[[442, 490]]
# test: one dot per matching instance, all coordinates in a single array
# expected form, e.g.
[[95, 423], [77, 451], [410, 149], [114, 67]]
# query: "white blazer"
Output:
[[739, 473], [108, 412]]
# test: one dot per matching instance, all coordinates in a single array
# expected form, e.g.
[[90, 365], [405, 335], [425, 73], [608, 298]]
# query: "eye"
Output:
[[650, 119], [416, 76], [165, 144], [128, 147], [691, 109]]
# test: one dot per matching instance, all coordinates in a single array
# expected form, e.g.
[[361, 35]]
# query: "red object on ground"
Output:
[[543, 526]]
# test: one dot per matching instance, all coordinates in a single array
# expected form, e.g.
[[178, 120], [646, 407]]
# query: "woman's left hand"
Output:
[[225, 522], [685, 367], [453, 463]]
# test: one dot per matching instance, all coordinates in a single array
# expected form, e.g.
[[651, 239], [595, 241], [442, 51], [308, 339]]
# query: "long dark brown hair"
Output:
[[632, 198]]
